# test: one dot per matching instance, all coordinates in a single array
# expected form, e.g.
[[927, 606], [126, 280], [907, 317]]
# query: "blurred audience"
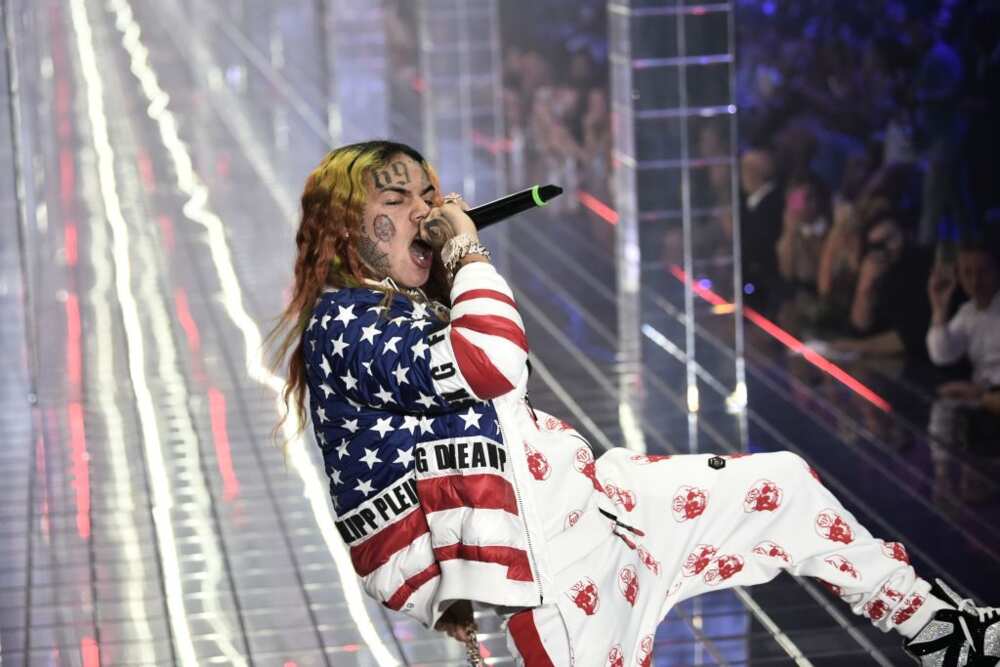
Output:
[[867, 271], [557, 112], [870, 139], [887, 104], [892, 106], [558, 128]]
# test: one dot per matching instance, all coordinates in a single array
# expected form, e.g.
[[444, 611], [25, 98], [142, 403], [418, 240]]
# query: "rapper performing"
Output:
[[497, 333], [450, 488]]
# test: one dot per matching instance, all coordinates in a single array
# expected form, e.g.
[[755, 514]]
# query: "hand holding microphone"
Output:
[[447, 221], [447, 229], [451, 233]]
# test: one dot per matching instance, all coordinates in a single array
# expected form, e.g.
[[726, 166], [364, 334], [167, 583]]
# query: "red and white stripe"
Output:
[[408, 578], [481, 491], [486, 333], [400, 564]]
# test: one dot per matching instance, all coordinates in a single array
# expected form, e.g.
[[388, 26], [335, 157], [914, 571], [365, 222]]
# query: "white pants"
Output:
[[687, 528]]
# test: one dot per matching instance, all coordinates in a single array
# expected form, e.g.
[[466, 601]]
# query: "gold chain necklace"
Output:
[[472, 645]]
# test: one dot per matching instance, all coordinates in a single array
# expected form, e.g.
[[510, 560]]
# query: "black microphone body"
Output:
[[519, 202]]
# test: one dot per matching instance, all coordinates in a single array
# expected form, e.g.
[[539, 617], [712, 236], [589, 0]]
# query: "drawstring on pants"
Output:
[[619, 524]]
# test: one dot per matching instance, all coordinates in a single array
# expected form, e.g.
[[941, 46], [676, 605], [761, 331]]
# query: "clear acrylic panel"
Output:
[[678, 230]]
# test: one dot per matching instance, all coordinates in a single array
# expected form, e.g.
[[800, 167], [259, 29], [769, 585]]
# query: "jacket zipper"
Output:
[[527, 532], [531, 409]]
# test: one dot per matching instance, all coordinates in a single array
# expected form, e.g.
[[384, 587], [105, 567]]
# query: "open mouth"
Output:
[[421, 253]]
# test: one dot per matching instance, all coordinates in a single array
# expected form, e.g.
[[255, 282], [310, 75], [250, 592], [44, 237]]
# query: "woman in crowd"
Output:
[[408, 351], [804, 227]]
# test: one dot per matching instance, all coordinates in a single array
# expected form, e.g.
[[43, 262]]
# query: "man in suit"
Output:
[[761, 203]]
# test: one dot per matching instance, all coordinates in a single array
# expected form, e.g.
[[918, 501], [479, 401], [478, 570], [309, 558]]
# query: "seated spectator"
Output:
[[887, 315], [762, 201], [975, 328], [805, 222], [841, 256], [974, 331], [840, 261], [891, 193]]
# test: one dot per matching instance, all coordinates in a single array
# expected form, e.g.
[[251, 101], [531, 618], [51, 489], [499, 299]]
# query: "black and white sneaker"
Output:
[[966, 636]]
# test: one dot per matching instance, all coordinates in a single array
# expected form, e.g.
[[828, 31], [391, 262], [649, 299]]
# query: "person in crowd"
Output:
[[805, 222], [975, 328], [887, 316], [762, 201], [974, 331], [872, 266], [405, 347], [841, 255]]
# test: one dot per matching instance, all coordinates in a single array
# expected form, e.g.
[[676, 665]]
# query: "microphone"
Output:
[[519, 202]]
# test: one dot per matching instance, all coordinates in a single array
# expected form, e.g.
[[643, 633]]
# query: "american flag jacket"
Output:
[[424, 428]]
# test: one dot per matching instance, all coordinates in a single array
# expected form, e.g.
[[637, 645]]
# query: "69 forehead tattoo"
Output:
[[395, 173]]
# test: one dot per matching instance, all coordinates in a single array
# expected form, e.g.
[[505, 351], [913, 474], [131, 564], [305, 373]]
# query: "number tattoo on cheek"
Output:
[[396, 173], [383, 227]]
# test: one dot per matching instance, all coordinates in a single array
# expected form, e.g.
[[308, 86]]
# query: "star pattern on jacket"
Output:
[[373, 396]]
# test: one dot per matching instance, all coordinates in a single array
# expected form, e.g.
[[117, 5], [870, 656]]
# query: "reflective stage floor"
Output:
[[146, 517]]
